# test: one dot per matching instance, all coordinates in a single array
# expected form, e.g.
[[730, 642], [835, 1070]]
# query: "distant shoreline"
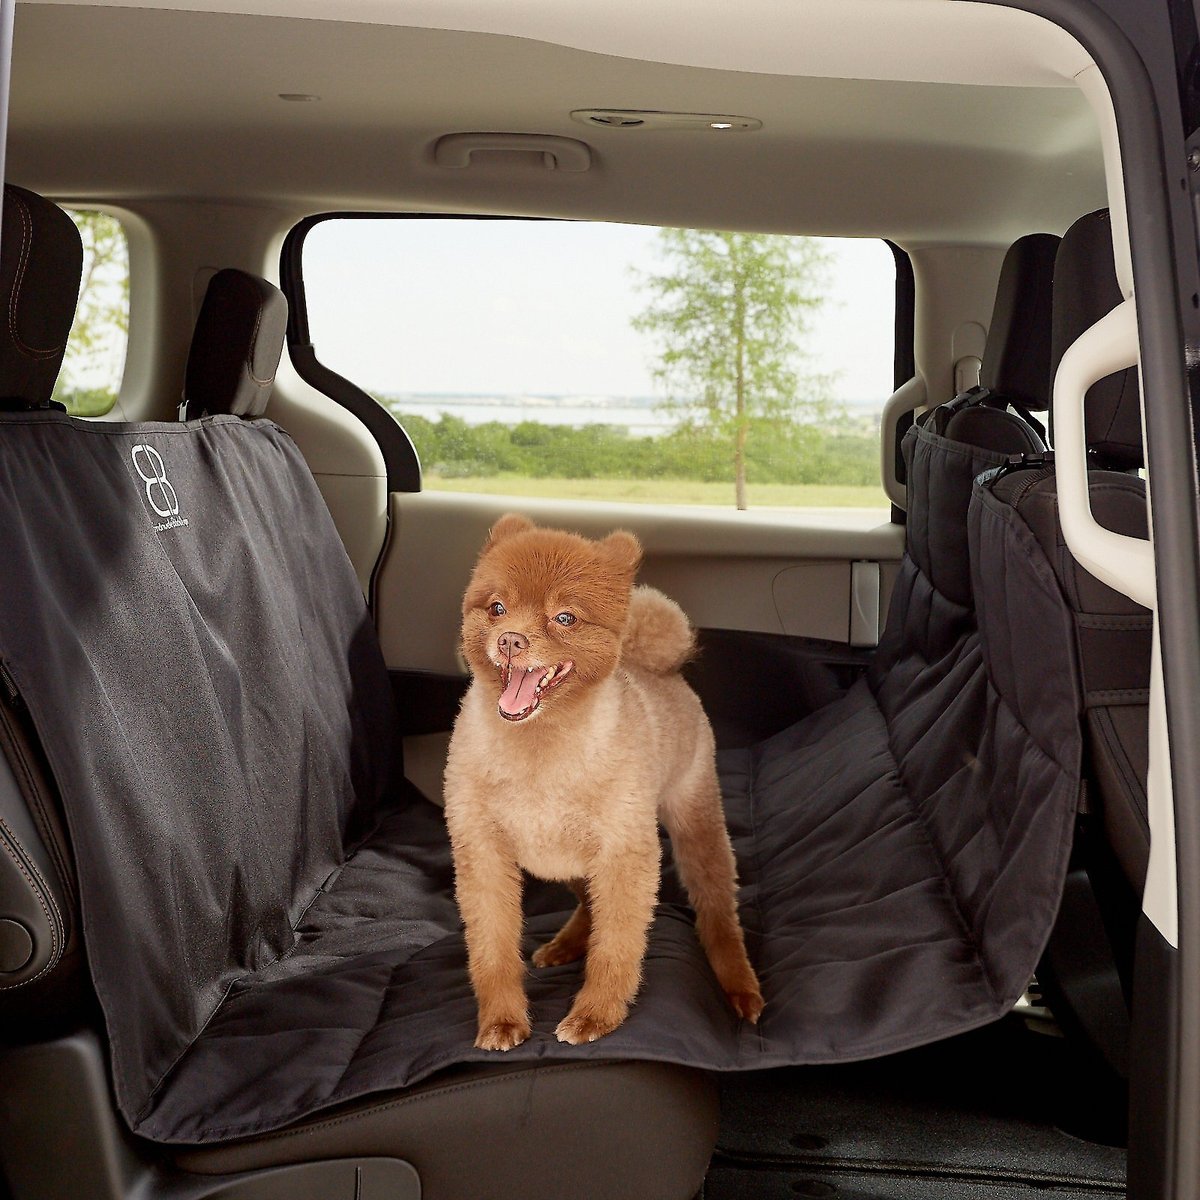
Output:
[[638, 414]]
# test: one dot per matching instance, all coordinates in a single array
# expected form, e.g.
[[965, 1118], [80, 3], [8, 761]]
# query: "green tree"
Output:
[[94, 360], [730, 311]]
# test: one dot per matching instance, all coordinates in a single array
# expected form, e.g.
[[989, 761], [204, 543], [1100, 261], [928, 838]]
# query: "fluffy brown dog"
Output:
[[577, 735]]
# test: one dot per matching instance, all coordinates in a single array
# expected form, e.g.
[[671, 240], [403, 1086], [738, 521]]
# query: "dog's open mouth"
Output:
[[524, 688]]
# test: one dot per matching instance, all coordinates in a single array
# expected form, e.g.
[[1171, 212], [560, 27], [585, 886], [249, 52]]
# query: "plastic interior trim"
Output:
[[904, 399], [1124, 563]]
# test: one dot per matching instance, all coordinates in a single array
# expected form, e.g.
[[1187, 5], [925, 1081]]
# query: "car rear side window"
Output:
[[599, 361], [91, 374]]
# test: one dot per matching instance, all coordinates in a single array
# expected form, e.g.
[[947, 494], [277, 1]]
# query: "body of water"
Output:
[[636, 413]]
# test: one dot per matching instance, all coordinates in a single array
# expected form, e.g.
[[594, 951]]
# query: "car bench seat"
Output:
[[267, 906], [499, 1130]]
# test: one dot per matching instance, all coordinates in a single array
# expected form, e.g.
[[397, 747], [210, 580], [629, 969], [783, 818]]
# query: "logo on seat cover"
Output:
[[149, 465]]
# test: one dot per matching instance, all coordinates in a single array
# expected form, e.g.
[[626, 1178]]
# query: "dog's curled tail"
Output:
[[658, 637]]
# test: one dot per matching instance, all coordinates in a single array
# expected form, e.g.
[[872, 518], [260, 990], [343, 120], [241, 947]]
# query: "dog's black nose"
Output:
[[513, 643]]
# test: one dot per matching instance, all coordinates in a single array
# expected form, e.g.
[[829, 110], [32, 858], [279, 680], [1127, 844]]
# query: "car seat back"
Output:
[[1113, 633], [976, 428], [1087, 967], [39, 284], [40, 976], [236, 347]]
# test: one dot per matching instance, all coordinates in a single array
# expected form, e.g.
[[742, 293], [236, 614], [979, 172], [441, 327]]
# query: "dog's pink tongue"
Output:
[[521, 691]]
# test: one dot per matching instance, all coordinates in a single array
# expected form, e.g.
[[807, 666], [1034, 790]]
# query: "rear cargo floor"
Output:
[[1004, 1113]]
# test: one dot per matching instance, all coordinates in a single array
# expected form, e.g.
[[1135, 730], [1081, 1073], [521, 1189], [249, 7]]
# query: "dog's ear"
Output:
[[623, 550], [508, 525]]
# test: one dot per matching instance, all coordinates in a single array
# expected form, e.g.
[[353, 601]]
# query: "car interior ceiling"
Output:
[[995, 190]]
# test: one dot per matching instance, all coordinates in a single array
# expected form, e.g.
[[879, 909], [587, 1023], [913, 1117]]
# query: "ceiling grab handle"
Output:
[[555, 153], [1126, 564]]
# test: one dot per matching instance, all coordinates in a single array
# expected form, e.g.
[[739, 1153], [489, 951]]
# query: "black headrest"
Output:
[[41, 260], [1086, 289], [235, 347], [1016, 359]]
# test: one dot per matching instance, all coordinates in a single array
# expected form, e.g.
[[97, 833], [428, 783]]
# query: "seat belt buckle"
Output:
[[1024, 462]]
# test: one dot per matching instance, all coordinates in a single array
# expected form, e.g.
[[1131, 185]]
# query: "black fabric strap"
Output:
[[1114, 649]]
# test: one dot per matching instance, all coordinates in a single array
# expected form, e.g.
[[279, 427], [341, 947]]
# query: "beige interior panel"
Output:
[[919, 39], [955, 286], [721, 565], [889, 572], [358, 505], [346, 462], [425, 763], [903, 142], [766, 595], [813, 600]]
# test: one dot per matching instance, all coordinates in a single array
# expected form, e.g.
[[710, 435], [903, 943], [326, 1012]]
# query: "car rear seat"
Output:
[[261, 957], [903, 849], [623, 1129]]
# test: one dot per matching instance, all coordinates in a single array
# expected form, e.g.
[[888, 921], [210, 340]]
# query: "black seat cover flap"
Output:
[[218, 723]]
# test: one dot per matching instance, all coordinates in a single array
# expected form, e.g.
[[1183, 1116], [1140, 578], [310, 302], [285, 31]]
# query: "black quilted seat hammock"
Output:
[[267, 906]]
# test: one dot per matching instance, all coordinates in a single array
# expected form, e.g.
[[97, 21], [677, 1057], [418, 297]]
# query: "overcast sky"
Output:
[[512, 307]]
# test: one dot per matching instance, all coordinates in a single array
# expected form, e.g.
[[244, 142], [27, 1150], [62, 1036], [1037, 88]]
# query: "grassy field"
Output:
[[666, 491]]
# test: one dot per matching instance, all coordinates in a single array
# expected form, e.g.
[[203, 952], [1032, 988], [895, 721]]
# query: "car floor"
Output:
[[1007, 1112]]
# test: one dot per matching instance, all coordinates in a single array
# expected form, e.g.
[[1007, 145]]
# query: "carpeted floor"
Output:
[[1003, 1113]]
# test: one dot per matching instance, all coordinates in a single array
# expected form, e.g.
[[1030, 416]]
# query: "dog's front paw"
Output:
[[748, 1005], [586, 1025], [502, 1035]]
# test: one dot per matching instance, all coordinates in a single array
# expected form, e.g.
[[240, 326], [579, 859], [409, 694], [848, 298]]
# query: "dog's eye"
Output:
[[497, 609], [565, 619]]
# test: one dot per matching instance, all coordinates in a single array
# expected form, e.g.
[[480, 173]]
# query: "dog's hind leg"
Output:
[[570, 943], [695, 821]]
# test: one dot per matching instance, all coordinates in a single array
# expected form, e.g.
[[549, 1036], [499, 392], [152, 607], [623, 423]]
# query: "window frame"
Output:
[[401, 461]]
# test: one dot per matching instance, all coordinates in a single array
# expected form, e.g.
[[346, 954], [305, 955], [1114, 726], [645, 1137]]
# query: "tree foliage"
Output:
[[784, 452], [730, 312], [91, 371]]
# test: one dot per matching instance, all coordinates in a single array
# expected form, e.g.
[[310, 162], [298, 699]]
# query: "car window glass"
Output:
[[600, 361], [94, 364]]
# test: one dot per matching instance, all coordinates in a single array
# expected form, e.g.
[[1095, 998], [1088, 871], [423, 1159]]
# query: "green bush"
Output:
[[776, 451], [86, 402]]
